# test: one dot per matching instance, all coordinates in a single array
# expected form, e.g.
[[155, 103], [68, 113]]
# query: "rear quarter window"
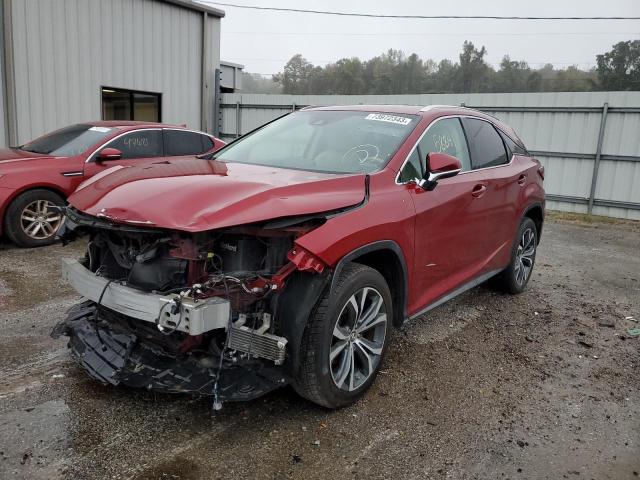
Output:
[[182, 142]]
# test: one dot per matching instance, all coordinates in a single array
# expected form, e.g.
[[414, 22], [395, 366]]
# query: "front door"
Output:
[[451, 220]]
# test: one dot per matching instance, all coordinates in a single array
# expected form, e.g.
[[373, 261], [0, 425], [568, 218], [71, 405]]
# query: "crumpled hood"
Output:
[[195, 195]]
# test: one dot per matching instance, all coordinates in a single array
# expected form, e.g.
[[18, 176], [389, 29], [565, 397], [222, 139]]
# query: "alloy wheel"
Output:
[[525, 256], [358, 339], [40, 219]]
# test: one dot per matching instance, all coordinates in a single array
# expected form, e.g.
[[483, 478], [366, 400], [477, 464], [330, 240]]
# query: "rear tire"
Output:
[[515, 277], [345, 339], [30, 220]]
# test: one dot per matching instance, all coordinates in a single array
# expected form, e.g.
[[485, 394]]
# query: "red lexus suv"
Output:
[[41, 174], [291, 254]]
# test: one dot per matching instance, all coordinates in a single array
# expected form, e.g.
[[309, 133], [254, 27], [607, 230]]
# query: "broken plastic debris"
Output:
[[316, 443], [633, 332], [57, 375]]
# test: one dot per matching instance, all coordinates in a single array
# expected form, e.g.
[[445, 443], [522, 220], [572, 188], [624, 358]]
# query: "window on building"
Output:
[[119, 104]]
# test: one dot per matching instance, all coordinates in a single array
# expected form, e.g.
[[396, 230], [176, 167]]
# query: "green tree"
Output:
[[256, 83], [394, 73], [297, 75], [619, 69], [474, 73]]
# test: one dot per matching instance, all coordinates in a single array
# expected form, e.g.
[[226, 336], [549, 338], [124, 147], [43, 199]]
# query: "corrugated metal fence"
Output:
[[588, 142]]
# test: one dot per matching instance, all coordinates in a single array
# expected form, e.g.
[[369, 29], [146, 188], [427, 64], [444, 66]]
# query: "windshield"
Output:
[[68, 141], [325, 141]]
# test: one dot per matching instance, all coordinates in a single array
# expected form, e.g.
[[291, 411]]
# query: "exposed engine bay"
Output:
[[179, 312]]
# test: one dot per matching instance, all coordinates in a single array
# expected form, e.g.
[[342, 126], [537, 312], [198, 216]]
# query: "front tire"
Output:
[[515, 277], [345, 339], [31, 219]]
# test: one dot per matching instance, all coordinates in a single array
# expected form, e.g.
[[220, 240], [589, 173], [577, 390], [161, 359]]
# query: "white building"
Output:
[[67, 61]]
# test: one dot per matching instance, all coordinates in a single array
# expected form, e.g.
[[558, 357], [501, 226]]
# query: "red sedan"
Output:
[[41, 174], [290, 255]]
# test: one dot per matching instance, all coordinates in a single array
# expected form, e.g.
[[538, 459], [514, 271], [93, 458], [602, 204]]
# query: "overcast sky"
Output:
[[264, 41]]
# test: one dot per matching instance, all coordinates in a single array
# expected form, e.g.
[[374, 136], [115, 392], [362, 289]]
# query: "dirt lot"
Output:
[[542, 385]]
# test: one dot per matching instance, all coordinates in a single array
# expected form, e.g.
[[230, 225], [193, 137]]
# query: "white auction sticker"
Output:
[[100, 129], [381, 117]]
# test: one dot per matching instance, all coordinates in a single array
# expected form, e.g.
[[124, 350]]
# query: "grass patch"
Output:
[[584, 218]]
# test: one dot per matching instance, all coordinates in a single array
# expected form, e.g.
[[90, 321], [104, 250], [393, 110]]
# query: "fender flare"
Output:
[[530, 207], [373, 247]]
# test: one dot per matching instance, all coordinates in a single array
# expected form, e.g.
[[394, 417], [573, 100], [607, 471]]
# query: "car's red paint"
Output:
[[441, 162], [458, 232], [21, 170], [164, 194]]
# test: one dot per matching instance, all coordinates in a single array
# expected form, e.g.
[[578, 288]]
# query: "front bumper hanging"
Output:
[[120, 357]]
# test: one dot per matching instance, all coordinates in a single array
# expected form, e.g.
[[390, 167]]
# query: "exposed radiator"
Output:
[[254, 342]]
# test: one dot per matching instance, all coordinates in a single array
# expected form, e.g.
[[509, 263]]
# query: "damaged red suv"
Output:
[[290, 255]]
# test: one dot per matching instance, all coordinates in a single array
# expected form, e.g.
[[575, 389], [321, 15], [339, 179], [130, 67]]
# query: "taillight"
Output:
[[541, 171]]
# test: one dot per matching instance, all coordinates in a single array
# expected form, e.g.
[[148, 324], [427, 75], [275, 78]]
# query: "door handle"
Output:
[[478, 190], [521, 179]]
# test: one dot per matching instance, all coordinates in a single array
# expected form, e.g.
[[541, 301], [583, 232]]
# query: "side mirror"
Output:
[[107, 154], [440, 165]]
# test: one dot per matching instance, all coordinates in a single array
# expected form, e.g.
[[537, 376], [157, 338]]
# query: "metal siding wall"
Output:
[[3, 126], [67, 49], [562, 132]]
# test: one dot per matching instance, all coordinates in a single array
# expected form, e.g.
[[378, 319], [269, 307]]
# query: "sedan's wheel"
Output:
[[515, 277], [33, 218], [345, 338], [358, 339], [40, 220]]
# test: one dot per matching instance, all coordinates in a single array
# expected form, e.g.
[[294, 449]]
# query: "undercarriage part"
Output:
[[169, 311], [118, 356], [256, 341]]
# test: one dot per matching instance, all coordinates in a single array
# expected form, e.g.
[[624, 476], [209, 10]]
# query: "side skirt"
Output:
[[449, 296]]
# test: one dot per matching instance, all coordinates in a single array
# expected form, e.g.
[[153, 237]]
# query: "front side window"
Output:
[[182, 142], [324, 140], [68, 141], [446, 136], [487, 148], [139, 144]]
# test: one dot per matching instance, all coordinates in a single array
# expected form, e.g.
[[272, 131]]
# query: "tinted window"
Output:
[[207, 143], [139, 144], [68, 141], [412, 169], [487, 149], [446, 136], [178, 142]]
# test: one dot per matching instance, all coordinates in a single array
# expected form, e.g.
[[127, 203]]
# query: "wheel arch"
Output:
[[386, 257], [536, 213], [20, 191]]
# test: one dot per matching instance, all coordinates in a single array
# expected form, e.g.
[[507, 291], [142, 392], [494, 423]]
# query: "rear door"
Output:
[[137, 146], [492, 166]]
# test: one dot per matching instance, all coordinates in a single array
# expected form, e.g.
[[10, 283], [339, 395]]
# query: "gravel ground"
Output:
[[541, 385]]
